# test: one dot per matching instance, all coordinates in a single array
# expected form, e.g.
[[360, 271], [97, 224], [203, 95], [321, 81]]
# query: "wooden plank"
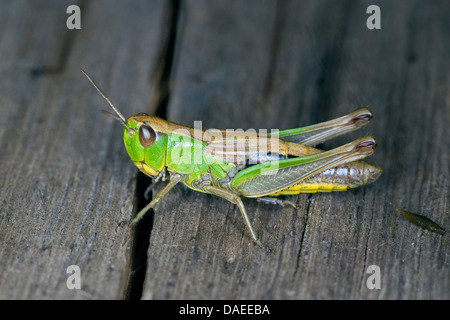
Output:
[[284, 64], [66, 183], [390, 70]]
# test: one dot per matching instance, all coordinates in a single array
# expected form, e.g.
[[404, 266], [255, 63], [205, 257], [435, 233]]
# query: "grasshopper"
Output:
[[252, 165]]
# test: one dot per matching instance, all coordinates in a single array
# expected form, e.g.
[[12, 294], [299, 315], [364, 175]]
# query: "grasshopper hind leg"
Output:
[[276, 201]]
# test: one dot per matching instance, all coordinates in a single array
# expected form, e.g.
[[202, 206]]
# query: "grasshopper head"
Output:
[[145, 137], [146, 142]]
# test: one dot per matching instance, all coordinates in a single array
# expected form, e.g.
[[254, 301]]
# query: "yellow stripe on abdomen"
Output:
[[310, 188]]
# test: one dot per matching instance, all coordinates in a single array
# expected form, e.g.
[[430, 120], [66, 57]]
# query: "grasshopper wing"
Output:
[[273, 176], [317, 133], [243, 147]]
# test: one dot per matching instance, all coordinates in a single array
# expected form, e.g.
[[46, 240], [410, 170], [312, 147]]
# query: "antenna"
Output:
[[119, 117]]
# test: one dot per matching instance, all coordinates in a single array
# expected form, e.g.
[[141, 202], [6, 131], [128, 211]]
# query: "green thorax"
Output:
[[186, 155]]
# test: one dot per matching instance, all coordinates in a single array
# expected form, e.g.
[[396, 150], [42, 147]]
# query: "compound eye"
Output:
[[147, 136]]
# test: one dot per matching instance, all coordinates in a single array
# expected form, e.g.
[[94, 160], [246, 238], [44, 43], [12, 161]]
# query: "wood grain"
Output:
[[66, 181], [285, 64], [67, 186]]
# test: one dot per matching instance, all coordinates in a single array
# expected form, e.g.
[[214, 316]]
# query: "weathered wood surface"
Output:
[[66, 183]]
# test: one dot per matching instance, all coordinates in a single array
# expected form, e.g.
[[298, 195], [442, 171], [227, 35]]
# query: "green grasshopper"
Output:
[[253, 165]]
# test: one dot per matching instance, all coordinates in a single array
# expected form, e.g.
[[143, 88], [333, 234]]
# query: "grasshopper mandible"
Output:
[[252, 165]]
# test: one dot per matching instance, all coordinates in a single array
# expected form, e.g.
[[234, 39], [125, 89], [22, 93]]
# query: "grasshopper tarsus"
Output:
[[267, 249], [259, 243]]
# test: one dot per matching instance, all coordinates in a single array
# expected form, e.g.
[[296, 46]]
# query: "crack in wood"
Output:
[[158, 102], [305, 225]]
